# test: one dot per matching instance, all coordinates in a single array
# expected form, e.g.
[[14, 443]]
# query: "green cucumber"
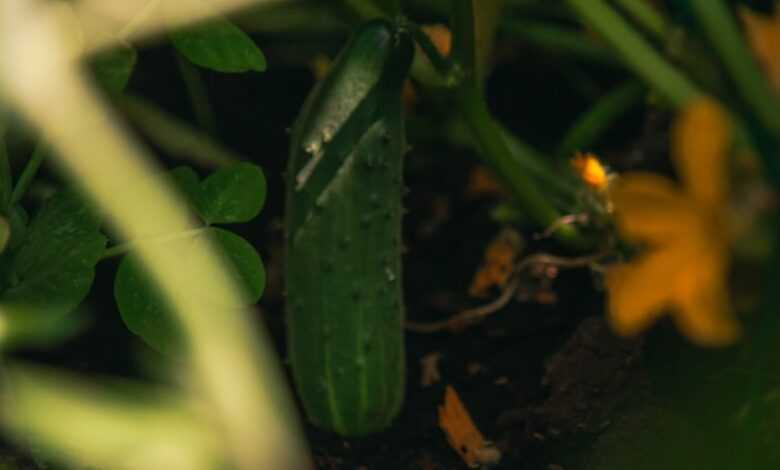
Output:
[[343, 231]]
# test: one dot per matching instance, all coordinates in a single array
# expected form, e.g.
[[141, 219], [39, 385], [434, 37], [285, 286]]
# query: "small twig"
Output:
[[468, 316], [559, 261], [565, 220], [473, 315]]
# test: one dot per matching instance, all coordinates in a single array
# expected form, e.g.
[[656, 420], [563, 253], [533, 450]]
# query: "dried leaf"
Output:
[[483, 183], [462, 435], [498, 264], [429, 365]]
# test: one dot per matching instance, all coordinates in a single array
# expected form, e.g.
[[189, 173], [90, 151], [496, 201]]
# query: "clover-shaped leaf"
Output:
[[145, 310], [51, 269], [232, 194], [219, 45]]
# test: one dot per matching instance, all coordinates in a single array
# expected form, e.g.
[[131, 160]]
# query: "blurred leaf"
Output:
[[234, 194], [18, 219], [52, 269], [146, 312], [114, 67], [5, 233], [219, 45]]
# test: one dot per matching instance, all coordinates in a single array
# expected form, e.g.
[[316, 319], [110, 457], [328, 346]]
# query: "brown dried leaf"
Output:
[[462, 435]]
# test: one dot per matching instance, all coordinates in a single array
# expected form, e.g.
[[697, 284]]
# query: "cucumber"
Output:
[[343, 233]]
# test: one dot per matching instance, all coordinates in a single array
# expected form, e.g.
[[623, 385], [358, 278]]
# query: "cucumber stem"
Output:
[[495, 151]]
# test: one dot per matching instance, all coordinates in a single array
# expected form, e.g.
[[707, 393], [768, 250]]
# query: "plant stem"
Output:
[[198, 95], [463, 42], [560, 40], [592, 124], [494, 148], [29, 172], [174, 136], [646, 16], [638, 55], [724, 35], [364, 8]]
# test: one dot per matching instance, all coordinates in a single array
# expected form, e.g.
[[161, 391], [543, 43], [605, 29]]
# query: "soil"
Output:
[[548, 383]]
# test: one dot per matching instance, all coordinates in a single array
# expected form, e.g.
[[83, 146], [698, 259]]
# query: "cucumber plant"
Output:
[[343, 216]]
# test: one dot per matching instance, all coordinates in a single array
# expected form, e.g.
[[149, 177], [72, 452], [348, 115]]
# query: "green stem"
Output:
[[365, 8], [594, 122], [559, 40], [496, 153], [494, 148], [638, 55], [646, 16], [464, 39], [29, 172], [530, 161], [722, 32], [198, 95], [174, 136]]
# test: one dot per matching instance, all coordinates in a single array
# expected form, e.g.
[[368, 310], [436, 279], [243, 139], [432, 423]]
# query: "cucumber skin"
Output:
[[344, 297]]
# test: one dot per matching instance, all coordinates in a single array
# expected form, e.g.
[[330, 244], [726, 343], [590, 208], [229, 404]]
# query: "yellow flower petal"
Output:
[[703, 317], [651, 208], [700, 139], [590, 170], [640, 291]]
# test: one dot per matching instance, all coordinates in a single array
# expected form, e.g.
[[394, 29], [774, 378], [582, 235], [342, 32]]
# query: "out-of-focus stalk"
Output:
[[231, 370], [638, 55]]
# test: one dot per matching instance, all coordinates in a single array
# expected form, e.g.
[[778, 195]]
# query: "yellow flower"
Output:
[[683, 268], [590, 170]]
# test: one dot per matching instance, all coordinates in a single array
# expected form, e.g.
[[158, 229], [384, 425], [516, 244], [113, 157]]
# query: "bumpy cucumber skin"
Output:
[[344, 297]]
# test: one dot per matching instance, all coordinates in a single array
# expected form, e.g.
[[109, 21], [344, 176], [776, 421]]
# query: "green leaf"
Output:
[[248, 265], [233, 194], [113, 68], [219, 45], [188, 183], [145, 310], [52, 269]]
